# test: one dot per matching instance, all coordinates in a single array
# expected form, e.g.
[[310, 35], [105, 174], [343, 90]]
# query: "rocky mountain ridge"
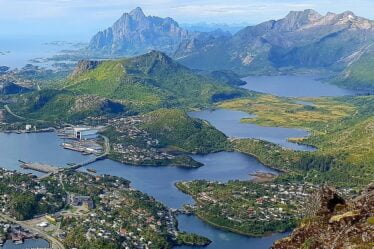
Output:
[[303, 39]]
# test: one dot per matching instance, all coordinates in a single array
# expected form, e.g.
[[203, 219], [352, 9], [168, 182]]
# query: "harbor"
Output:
[[83, 140]]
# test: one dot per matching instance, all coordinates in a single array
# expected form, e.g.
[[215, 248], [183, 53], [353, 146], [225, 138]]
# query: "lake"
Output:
[[228, 122], [294, 86]]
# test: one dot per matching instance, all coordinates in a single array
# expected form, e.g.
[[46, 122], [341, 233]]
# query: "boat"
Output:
[[91, 170]]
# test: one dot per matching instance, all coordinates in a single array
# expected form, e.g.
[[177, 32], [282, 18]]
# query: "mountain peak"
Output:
[[304, 16], [137, 12], [296, 19], [134, 34]]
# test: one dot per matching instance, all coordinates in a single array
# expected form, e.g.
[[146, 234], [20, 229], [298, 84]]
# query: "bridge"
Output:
[[49, 169], [95, 159]]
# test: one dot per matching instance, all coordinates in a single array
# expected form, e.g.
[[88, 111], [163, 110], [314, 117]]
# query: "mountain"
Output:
[[148, 82], [134, 34], [303, 39], [335, 223], [359, 73]]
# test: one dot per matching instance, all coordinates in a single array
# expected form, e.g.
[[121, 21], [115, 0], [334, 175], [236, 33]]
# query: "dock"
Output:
[[49, 169], [43, 168]]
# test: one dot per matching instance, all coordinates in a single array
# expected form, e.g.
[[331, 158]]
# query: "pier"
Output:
[[43, 168]]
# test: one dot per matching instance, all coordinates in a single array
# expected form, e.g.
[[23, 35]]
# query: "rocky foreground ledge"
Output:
[[335, 223]]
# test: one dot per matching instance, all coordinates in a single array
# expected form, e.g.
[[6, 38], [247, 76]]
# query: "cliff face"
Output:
[[335, 224]]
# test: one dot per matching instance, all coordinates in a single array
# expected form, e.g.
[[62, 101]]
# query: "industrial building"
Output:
[[83, 133]]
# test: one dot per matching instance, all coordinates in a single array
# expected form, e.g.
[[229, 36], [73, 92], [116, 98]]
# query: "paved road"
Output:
[[54, 243]]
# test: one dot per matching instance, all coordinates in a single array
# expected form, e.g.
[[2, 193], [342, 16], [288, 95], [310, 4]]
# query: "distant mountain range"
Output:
[[303, 40]]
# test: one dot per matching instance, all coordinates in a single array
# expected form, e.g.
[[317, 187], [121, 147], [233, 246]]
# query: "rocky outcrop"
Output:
[[336, 223], [84, 66]]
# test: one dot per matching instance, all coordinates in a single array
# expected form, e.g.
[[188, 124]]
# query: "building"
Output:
[[84, 201], [83, 133]]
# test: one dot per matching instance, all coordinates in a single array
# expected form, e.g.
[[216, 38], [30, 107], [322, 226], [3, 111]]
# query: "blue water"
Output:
[[21, 50], [223, 239], [228, 121], [34, 243], [159, 181], [294, 86], [35, 147]]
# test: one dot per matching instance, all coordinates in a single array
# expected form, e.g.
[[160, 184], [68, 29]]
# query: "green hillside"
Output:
[[359, 75], [149, 82], [175, 128], [62, 105]]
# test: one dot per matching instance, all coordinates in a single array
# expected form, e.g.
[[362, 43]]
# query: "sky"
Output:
[[80, 19]]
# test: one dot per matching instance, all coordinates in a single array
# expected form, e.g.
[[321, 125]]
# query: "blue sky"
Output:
[[81, 18]]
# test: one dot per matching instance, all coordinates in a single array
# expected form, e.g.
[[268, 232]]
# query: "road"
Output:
[[54, 243], [12, 113]]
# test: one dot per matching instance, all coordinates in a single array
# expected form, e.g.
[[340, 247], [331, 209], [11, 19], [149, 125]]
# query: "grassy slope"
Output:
[[275, 111], [359, 75], [175, 128]]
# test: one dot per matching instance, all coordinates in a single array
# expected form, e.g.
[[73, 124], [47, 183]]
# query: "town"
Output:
[[80, 208]]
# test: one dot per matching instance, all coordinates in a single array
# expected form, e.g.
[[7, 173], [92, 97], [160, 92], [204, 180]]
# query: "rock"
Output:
[[336, 225], [84, 66]]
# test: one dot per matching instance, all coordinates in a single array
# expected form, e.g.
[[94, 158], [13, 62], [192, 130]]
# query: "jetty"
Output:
[[40, 167]]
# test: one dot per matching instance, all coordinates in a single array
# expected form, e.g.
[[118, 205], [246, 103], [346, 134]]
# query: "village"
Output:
[[131, 144], [248, 203]]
